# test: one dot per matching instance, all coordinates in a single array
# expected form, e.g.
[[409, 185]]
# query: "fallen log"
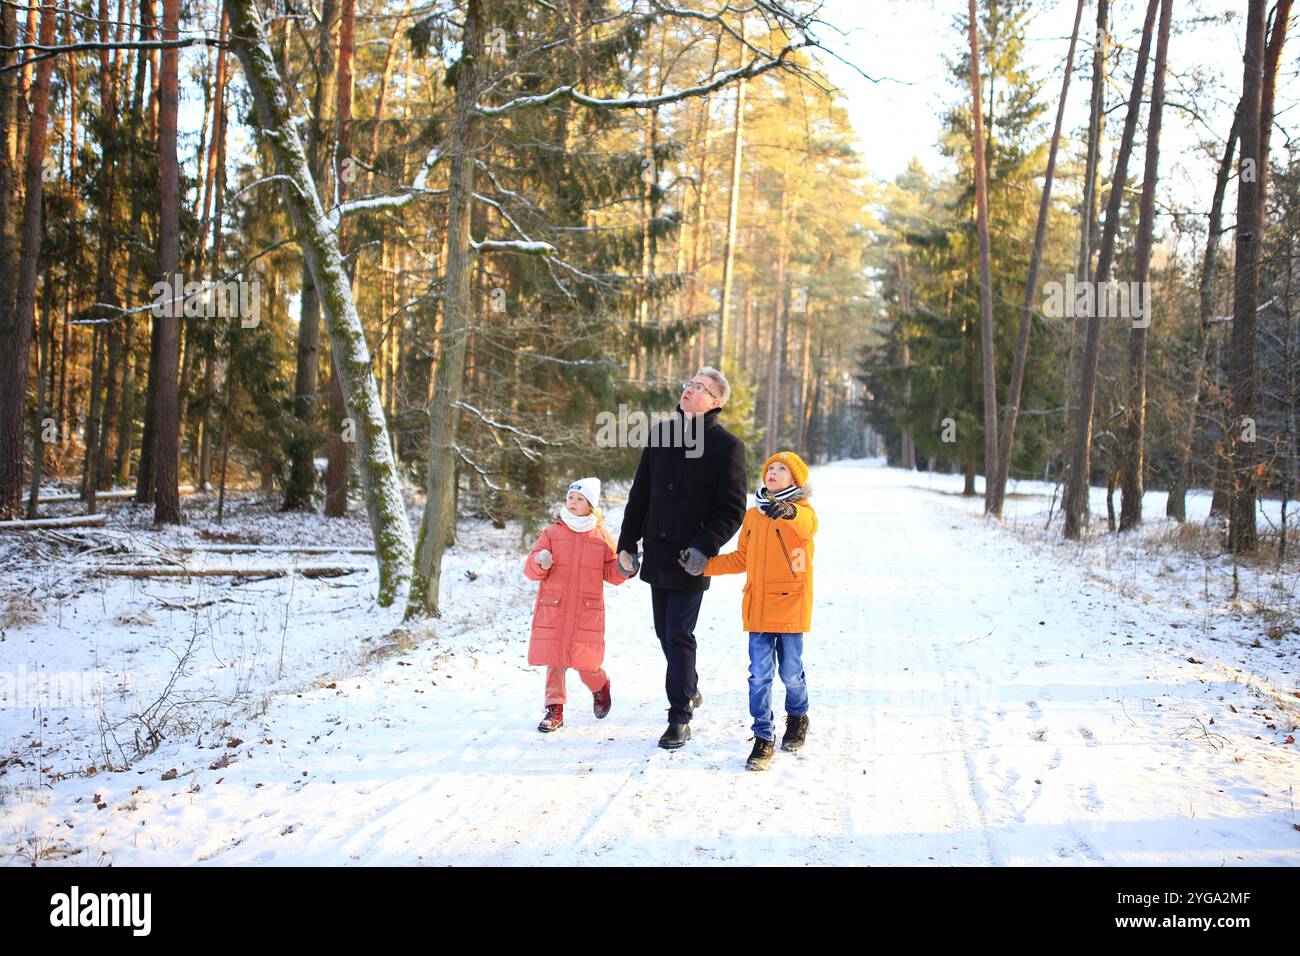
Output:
[[115, 494], [273, 549], [71, 521], [270, 571]]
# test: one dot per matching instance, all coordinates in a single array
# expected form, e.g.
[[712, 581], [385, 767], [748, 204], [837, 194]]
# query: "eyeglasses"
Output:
[[697, 387]]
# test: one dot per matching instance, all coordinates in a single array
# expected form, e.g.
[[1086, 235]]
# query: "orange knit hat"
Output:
[[798, 470]]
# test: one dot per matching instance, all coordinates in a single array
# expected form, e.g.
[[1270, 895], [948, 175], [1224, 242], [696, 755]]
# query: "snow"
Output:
[[527, 247], [980, 694]]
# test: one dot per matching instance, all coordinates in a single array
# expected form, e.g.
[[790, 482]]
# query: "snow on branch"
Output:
[[753, 68], [514, 245], [492, 423]]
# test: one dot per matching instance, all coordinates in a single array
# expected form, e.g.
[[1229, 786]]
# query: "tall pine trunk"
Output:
[[1133, 461], [1242, 369], [1076, 488], [986, 276], [17, 334], [1007, 441]]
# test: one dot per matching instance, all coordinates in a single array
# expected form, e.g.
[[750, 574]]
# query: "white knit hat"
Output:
[[589, 488]]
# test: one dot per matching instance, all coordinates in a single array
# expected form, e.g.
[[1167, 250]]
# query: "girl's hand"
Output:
[[544, 559]]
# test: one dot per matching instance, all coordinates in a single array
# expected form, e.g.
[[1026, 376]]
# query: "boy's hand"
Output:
[[693, 560], [544, 559], [628, 563], [780, 509]]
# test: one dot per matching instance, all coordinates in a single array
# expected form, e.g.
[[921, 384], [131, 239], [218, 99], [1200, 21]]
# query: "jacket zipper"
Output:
[[781, 541]]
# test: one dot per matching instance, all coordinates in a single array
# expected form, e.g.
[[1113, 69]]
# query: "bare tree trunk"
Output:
[[1076, 489], [907, 452], [144, 478], [18, 332], [1243, 373], [167, 499], [336, 471], [1088, 232], [302, 448], [1176, 503], [999, 483], [986, 277], [729, 251], [382, 487], [1133, 458], [101, 424], [444, 410], [10, 151]]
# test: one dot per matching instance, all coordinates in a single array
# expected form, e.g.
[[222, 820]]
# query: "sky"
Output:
[[902, 43]]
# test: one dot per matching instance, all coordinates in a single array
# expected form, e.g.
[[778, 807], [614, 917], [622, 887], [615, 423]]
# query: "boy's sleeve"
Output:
[[532, 569], [804, 522], [733, 562]]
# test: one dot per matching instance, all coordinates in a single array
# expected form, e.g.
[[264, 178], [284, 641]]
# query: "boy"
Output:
[[775, 550]]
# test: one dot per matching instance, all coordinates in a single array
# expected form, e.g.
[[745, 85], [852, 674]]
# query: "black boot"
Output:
[[675, 736], [761, 755], [696, 701], [796, 729]]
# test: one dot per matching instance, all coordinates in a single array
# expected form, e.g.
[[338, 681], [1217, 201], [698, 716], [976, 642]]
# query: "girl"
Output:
[[570, 559]]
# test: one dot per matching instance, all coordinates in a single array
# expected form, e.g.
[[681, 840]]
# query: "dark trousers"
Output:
[[675, 615]]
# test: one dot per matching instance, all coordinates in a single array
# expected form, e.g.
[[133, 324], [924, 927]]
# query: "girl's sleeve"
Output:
[[613, 574], [733, 562], [532, 569]]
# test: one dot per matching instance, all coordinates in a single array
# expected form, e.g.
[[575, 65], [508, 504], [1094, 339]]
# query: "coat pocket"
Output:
[[591, 617], [547, 611], [783, 608]]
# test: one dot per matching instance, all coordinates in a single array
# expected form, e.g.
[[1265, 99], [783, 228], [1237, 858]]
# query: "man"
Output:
[[687, 500]]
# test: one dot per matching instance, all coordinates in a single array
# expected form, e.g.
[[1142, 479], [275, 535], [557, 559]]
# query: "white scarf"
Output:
[[578, 523]]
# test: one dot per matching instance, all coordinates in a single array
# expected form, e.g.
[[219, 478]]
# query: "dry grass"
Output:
[[19, 610]]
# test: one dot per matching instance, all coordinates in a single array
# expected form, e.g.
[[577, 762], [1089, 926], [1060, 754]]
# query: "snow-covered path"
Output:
[[967, 707]]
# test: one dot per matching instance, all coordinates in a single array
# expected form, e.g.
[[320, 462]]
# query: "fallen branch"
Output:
[[275, 549], [275, 571], [72, 521]]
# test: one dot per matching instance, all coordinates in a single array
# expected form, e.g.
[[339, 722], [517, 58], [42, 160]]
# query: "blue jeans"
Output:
[[768, 652]]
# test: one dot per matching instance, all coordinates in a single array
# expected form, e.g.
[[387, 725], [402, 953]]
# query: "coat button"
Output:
[[670, 486], [663, 534]]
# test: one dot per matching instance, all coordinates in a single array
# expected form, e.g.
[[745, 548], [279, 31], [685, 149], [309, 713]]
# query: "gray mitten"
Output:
[[693, 560]]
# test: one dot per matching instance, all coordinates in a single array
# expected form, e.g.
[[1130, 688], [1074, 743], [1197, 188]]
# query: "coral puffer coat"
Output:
[[776, 556], [569, 616]]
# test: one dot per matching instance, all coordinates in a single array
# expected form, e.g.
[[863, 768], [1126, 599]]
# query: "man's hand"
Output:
[[628, 563], [544, 559], [693, 560]]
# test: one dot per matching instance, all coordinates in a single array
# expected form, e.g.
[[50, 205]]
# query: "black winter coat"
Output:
[[680, 502]]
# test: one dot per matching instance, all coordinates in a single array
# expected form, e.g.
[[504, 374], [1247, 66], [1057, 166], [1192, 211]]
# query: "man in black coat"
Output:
[[687, 500]]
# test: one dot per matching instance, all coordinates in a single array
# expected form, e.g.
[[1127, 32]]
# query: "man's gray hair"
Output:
[[724, 387]]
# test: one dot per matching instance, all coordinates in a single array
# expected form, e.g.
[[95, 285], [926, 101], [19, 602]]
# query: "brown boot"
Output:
[[553, 720]]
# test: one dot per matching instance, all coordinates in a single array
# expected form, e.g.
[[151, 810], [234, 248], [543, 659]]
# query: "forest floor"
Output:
[[980, 694]]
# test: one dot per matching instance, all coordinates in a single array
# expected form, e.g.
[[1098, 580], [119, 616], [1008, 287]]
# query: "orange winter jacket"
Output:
[[776, 555]]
